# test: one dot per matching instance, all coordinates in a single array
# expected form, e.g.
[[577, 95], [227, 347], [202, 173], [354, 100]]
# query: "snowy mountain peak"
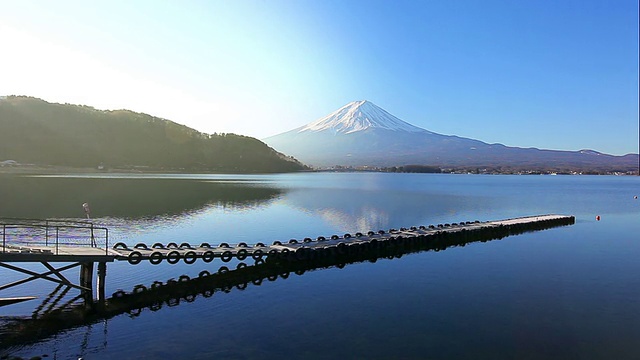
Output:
[[358, 116]]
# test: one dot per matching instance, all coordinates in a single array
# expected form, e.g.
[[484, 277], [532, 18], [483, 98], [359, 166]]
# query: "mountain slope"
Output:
[[362, 134], [35, 131], [358, 116]]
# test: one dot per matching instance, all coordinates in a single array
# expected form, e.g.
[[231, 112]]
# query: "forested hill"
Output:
[[34, 131]]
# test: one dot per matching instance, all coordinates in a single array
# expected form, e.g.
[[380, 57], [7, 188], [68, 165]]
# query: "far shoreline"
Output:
[[68, 170]]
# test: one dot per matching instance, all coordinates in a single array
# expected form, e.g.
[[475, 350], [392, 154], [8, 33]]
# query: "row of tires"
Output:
[[301, 254], [190, 257], [173, 245], [205, 245], [186, 280]]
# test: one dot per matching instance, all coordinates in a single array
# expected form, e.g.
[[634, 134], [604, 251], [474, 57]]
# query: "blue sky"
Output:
[[548, 74]]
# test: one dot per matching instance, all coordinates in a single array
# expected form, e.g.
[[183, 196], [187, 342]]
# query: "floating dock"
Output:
[[332, 249], [308, 248], [289, 250]]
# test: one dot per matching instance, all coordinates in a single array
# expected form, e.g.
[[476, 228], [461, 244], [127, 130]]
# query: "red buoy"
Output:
[[598, 217]]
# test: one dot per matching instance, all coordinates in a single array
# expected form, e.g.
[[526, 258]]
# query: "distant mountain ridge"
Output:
[[35, 131], [363, 134]]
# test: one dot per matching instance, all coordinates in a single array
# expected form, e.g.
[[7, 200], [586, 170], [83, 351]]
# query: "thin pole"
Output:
[[93, 239], [102, 274]]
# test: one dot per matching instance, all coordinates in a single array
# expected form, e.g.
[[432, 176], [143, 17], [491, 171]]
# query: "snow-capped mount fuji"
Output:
[[359, 116], [363, 134]]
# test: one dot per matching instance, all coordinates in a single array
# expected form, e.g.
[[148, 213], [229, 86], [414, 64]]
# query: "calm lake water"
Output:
[[571, 292]]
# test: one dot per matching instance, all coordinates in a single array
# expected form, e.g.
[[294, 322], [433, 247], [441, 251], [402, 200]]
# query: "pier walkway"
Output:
[[83, 244]]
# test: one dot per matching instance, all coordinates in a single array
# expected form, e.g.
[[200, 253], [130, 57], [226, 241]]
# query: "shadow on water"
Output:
[[49, 319], [131, 198]]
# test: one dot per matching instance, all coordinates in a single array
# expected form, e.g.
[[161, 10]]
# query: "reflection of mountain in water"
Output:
[[364, 210], [36, 197]]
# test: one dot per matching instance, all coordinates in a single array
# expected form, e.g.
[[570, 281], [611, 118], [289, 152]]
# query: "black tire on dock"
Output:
[[242, 254], [208, 256], [141, 246], [157, 246], [272, 253], [260, 245], [223, 245], [321, 238], [205, 245], [341, 247], [173, 257], [347, 236], [293, 241], [156, 258], [241, 266], [257, 254], [120, 245], [185, 245], [242, 244], [370, 233], [139, 289], [335, 237], [184, 278], [302, 254], [172, 245], [284, 254], [134, 257], [226, 256], [277, 242], [189, 257], [204, 273], [223, 270]]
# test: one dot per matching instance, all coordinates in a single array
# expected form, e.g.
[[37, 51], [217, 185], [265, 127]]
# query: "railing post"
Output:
[[46, 233], [4, 238], [106, 241], [93, 239], [57, 240]]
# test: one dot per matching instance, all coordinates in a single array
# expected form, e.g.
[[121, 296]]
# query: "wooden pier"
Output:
[[293, 251]]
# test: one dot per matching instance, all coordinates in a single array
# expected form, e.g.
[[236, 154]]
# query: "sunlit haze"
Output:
[[548, 74]]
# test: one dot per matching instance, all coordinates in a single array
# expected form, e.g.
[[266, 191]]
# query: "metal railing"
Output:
[[18, 232]]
